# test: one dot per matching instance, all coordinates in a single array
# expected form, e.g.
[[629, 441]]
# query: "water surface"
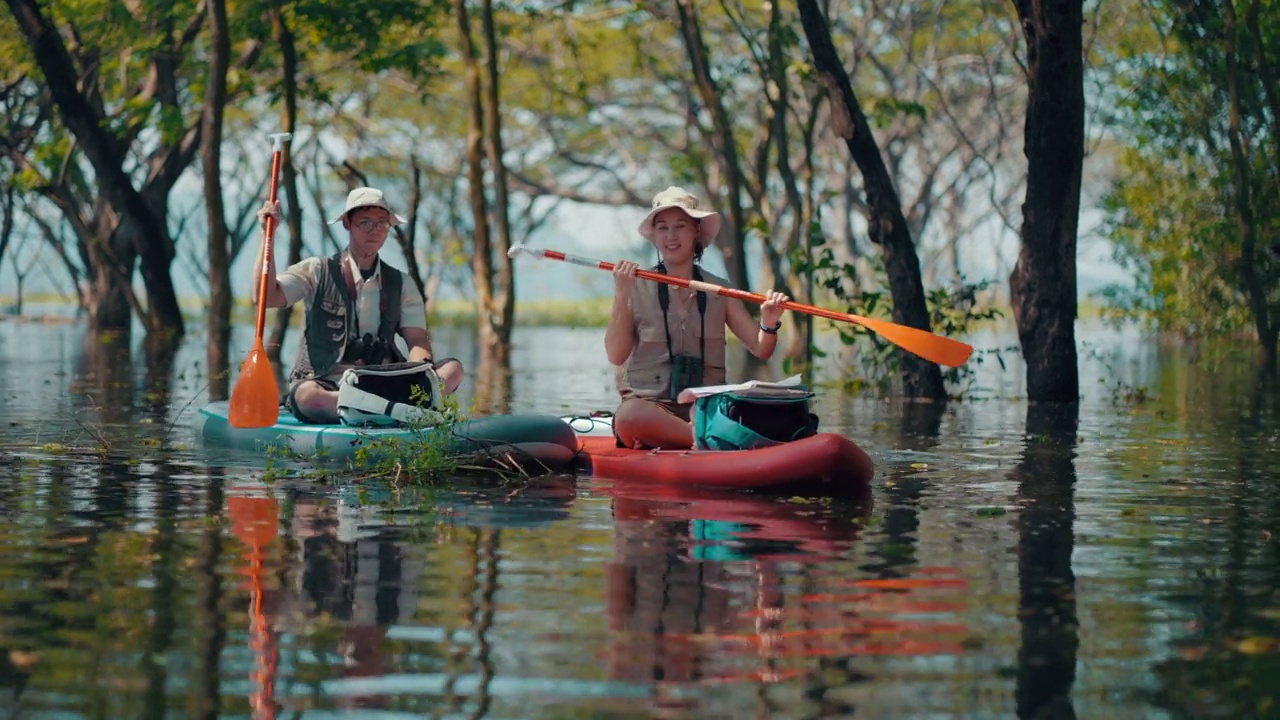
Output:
[[1119, 559]]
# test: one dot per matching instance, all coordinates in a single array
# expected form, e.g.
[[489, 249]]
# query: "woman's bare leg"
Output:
[[646, 424]]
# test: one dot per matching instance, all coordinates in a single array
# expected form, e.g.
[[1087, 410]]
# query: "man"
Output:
[[356, 304]]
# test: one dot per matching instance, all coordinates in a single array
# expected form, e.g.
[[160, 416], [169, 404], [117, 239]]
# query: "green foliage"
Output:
[[1173, 210], [428, 453], [885, 111], [953, 311], [1172, 233], [377, 37]]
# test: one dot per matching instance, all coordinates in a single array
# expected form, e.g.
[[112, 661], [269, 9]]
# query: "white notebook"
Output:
[[759, 388]]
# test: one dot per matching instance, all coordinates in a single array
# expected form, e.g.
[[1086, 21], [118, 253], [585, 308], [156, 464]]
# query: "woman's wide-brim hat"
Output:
[[368, 197], [675, 197]]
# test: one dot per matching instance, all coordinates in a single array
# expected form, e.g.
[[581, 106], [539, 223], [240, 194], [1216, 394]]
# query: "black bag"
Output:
[[407, 392]]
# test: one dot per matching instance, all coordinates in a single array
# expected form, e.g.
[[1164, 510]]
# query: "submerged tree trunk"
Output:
[[886, 224], [288, 171], [219, 320], [8, 207], [1246, 217], [109, 295], [481, 260], [407, 235], [799, 346], [501, 313], [1043, 282], [493, 382]]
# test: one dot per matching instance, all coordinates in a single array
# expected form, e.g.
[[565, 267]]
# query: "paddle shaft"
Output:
[[934, 348], [256, 395], [268, 231], [700, 286]]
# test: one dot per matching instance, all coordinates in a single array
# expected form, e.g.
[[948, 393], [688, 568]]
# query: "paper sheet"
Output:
[[761, 388]]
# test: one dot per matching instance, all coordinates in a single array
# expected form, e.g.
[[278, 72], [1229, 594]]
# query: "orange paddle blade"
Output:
[[934, 348], [255, 399]]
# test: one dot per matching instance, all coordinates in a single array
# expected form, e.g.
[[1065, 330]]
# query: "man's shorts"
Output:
[[291, 400]]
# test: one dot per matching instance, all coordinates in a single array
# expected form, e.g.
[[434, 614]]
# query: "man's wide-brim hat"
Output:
[[675, 197], [362, 197]]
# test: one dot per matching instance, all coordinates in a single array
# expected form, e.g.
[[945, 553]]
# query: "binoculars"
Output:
[[686, 372], [369, 349]]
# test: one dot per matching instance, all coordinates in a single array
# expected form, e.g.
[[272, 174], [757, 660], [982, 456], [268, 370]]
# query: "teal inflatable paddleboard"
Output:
[[543, 439]]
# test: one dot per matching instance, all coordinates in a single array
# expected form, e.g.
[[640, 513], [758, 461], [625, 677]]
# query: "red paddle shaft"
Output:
[[934, 348], [277, 150]]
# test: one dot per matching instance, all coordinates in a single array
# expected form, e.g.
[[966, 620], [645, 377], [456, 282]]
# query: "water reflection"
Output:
[[693, 590], [1046, 479], [1226, 657], [712, 589], [255, 522], [106, 377], [1150, 519], [917, 431], [211, 632], [354, 601]]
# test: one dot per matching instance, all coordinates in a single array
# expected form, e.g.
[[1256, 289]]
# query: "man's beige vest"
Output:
[[647, 372]]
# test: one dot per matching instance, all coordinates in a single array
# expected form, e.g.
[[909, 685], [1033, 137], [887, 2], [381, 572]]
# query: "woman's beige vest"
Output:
[[647, 372]]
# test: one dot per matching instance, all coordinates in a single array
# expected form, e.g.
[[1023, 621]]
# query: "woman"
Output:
[[663, 339]]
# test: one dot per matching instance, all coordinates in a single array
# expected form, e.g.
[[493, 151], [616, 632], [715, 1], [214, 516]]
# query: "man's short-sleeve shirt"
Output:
[[299, 283]]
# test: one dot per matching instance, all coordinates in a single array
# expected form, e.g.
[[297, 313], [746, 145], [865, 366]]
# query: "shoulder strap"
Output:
[[664, 302], [339, 268], [390, 284]]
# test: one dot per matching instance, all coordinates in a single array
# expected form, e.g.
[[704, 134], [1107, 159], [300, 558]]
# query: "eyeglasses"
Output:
[[371, 225]]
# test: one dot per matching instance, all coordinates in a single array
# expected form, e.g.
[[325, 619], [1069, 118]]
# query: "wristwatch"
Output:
[[771, 330]]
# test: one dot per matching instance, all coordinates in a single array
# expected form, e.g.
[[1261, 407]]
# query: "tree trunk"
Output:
[[1043, 282], [1246, 220], [799, 344], [139, 223], [408, 236], [109, 297], [481, 262], [887, 227], [726, 149], [219, 322], [493, 382], [501, 314], [6, 223], [288, 171]]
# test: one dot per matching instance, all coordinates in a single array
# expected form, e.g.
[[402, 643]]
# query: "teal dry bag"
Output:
[[746, 420]]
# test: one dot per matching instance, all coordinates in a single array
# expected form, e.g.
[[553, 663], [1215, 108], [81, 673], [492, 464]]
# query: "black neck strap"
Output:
[[664, 302]]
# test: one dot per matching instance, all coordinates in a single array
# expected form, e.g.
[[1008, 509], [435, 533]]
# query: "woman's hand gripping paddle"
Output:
[[934, 348], [255, 399]]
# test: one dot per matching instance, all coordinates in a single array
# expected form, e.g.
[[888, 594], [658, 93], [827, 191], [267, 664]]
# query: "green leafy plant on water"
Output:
[[954, 311], [425, 453]]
